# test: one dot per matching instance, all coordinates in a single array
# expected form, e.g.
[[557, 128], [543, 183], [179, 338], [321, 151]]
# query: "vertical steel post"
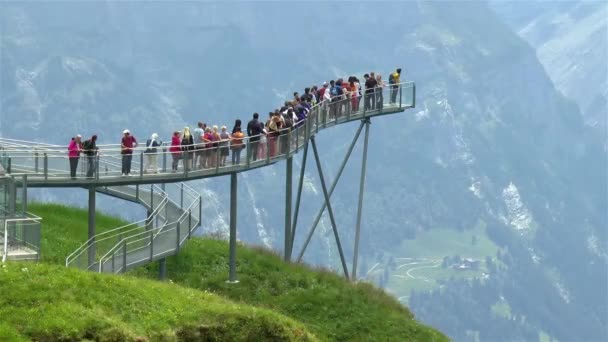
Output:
[[360, 206], [124, 256], [97, 167], [248, 152], [200, 210], [164, 158], [178, 240], [162, 268], [141, 164], [414, 95], [24, 194], [36, 162], [181, 196], [268, 148], [288, 197], [233, 203], [217, 159], [149, 220], [12, 197], [91, 225], [298, 197], [327, 202], [46, 166], [316, 118], [151, 245]]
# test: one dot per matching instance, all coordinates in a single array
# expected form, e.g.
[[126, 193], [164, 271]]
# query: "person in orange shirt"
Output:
[[236, 145]]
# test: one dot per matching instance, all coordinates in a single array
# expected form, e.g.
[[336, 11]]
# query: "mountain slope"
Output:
[[330, 307], [493, 152], [571, 40], [44, 302]]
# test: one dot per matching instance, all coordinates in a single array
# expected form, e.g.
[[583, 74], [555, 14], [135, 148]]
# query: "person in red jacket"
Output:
[[127, 144], [176, 150]]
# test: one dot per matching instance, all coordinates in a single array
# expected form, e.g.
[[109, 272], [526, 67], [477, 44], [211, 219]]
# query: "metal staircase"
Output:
[[170, 223]]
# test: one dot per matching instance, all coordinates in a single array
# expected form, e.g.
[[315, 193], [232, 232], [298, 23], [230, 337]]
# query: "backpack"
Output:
[[334, 91], [150, 146], [391, 79], [288, 120], [86, 146]]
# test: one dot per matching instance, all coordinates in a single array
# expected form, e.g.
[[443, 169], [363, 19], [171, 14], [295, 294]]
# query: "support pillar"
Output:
[[162, 268], [91, 225], [329, 210], [24, 194], [12, 197], [298, 198], [149, 220], [288, 197], [360, 206], [233, 202], [331, 191]]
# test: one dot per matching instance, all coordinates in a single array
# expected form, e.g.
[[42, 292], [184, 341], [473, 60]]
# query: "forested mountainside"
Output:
[[494, 165]]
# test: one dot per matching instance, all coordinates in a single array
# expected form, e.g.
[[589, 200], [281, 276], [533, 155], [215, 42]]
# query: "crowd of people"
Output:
[[208, 146]]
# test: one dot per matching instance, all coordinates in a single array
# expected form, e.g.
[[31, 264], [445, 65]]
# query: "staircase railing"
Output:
[[106, 240], [20, 237], [152, 244]]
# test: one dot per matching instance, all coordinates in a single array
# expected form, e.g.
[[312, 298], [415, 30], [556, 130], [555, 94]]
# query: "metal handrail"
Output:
[[156, 231], [139, 148], [30, 218], [104, 235]]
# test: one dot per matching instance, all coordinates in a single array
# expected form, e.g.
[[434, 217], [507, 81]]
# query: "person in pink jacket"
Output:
[[74, 149]]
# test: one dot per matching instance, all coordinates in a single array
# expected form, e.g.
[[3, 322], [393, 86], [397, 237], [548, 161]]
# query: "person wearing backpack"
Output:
[[74, 150], [90, 150], [151, 153], [254, 131], [187, 148], [370, 87], [393, 81]]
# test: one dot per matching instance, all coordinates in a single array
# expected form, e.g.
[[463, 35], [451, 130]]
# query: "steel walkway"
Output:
[[174, 209], [48, 166]]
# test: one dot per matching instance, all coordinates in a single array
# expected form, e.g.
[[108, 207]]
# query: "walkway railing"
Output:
[[171, 222], [159, 242], [47, 164], [154, 200], [20, 238]]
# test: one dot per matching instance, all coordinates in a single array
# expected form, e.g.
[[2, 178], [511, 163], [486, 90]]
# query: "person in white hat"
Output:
[[74, 150], [127, 145]]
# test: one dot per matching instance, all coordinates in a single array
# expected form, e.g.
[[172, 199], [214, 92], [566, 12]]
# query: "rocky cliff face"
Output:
[[491, 143], [571, 40]]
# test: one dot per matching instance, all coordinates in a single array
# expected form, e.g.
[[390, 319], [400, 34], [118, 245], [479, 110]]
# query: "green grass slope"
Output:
[[45, 302], [64, 229], [299, 301], [332, 308]]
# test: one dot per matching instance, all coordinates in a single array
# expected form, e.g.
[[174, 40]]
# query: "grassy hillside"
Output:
[[47, 303], [64, 229], [303, 301], [332, 308]]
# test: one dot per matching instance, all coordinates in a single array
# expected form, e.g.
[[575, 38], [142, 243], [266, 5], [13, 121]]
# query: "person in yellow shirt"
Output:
[[393, 81]]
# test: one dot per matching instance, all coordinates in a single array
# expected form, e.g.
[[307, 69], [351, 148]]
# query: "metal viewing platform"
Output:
[[174, 209]]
